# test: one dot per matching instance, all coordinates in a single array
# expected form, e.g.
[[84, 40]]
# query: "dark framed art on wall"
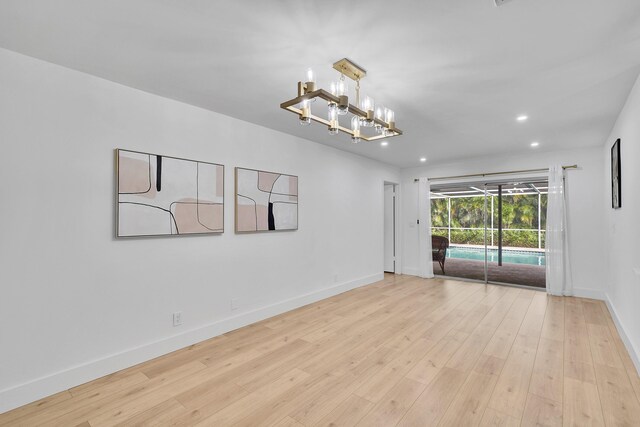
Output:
[[616, 176]]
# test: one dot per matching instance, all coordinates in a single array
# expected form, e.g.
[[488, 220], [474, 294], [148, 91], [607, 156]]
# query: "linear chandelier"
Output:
[[369, 122]]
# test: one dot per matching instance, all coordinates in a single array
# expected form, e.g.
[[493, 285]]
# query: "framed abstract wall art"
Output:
[[616, 176], [167, 196], [265, 201]]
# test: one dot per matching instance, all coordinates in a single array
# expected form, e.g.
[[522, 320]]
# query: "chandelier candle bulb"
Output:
[[311, 81], [333, 121], [305, 114], [310, 76], [390, 118], [341, 87], [341, 92], [379, 116], [333, 88], [368, 107], [355, 127], [334, 91]]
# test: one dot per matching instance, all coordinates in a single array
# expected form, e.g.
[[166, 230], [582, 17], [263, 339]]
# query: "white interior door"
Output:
[[389, 228]]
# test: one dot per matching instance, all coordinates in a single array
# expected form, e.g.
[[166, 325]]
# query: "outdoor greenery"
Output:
[[519, 219]]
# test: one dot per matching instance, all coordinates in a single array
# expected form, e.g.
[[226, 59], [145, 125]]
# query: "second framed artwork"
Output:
[[616, 176], [265, 201]]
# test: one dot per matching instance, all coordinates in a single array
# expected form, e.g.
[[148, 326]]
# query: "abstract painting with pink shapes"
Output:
[[168, 196], [265, 201]]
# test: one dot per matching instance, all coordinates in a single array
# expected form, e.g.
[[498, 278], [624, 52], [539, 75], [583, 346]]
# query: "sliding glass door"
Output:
[[516, 213], [494, 231]]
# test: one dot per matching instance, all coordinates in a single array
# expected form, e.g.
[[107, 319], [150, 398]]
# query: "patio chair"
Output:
[[439, 247]]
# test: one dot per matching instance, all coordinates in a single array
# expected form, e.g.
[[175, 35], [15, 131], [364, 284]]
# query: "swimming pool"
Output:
[[508, 255]]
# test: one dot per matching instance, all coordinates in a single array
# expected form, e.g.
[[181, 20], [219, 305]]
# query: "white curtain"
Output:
[[557, 255], [424, 228]]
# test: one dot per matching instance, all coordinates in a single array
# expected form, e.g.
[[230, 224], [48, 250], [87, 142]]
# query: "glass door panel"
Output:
[[516, 215], [457, 217]]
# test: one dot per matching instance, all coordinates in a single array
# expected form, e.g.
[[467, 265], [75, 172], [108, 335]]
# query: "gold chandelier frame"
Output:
[[347, 68]]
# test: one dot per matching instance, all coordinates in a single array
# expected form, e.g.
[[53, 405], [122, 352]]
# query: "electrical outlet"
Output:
[[234, 303], [335, 278], [177, 318]]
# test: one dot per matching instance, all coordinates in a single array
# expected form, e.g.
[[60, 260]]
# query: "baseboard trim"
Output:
[[410, 271], [633, 352], [31, 391], [589, 293]]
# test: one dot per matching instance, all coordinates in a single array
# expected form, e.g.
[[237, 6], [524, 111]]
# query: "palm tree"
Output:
[[527, 214]]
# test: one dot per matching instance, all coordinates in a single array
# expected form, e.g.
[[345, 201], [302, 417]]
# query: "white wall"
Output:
[[77, 304], [622, 229], [584, 189]]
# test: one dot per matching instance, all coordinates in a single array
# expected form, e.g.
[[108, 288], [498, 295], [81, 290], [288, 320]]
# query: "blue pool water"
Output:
[[508, 255]]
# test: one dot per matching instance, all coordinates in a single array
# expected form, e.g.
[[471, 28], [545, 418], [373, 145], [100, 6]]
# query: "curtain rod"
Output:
[[439, 178]]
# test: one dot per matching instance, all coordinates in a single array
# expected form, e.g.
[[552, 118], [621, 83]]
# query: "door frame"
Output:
[[396, 225], [508, 177]]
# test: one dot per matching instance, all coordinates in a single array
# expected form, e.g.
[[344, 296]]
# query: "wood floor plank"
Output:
[[577, 347], [493, 418], [603, 349], [382, 381], [36, 407], [553, 326], [431, 405], [593, 313], [288, 422], [548, 370], [581, 404], [114, 414], [620, 406], [579, 371], [542, 412], [243, 407], [510, 393], [465, 358], [75, 411], [325, 399], [471, 401], [161, 414], [505, 335], [428, 367], [268, 411], [348, 413], [405, 351], [393, 405]]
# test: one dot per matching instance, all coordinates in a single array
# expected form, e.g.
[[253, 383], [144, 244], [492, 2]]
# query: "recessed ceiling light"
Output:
[[535, 144], [423, 159], [522, 118], [384, 143]]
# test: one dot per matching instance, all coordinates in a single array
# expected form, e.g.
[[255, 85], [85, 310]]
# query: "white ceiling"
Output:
[[457, 72]]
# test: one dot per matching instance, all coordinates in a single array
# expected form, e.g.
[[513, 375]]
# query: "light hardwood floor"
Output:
[[403, 351]]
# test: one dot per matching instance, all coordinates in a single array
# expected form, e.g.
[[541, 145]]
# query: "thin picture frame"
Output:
[[117, 152], [235, 193], [616, 176]]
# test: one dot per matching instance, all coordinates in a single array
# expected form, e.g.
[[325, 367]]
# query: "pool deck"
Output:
[[517, 274]]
